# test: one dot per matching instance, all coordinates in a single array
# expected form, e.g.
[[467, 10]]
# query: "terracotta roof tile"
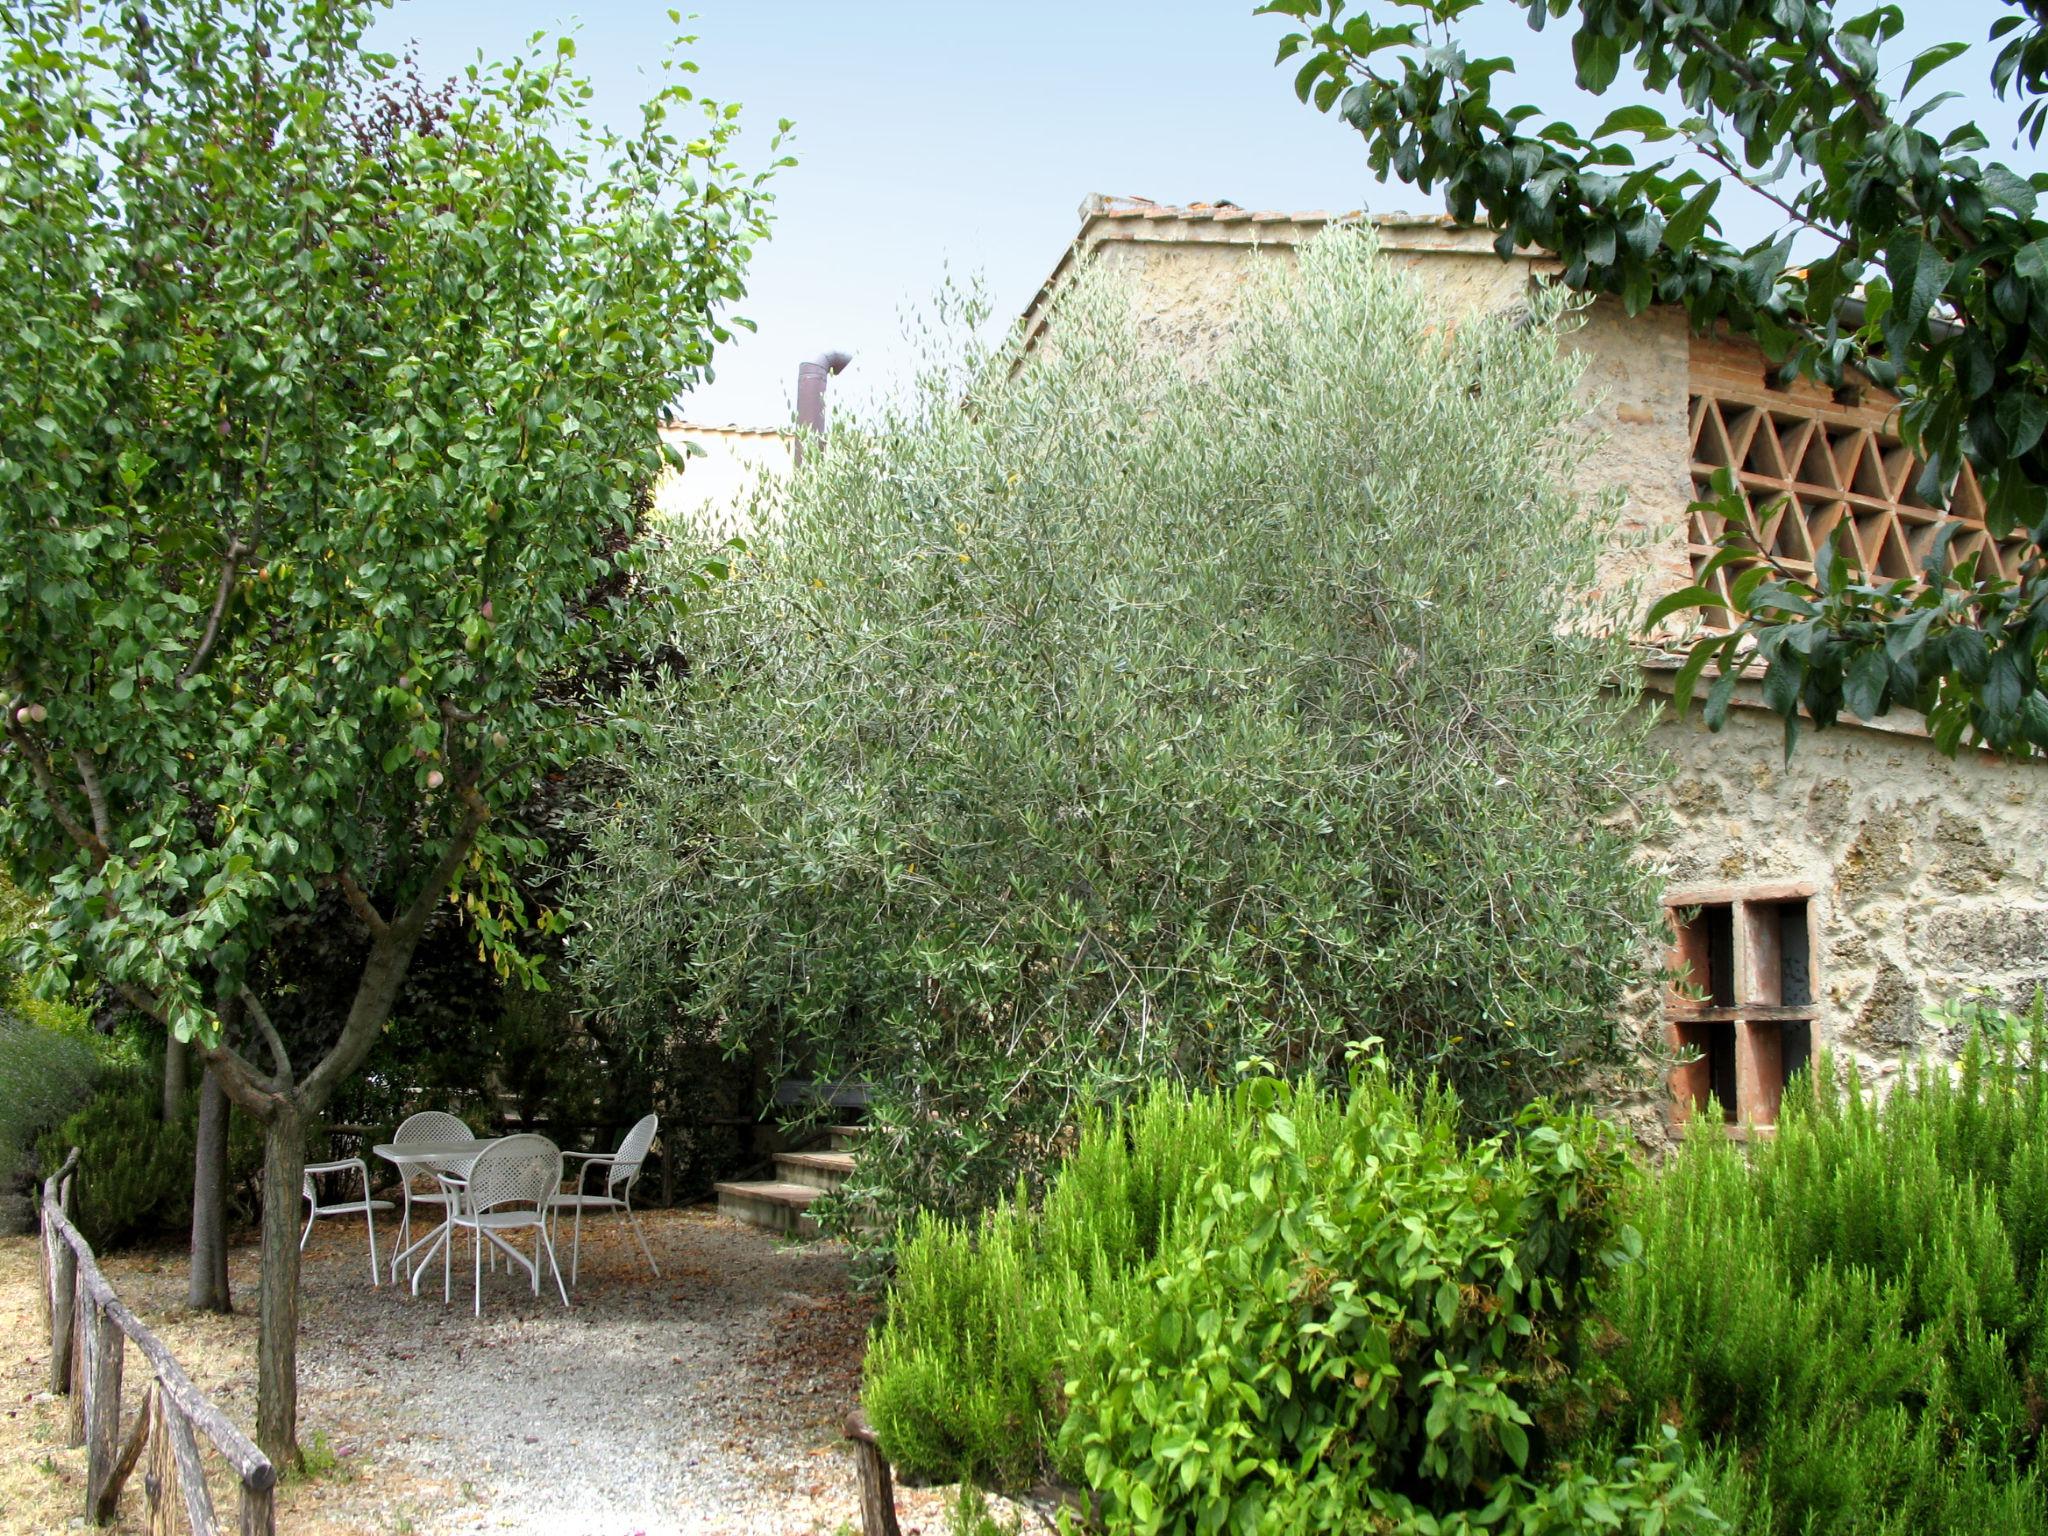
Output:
[[1100, 205]]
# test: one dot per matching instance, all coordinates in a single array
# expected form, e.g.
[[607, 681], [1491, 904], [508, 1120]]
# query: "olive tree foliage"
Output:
[[1082, 721], [1903, 258], [312, 460]]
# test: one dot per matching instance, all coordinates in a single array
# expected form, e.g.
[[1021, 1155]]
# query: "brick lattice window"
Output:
[[1819, 472], [1742, 997]]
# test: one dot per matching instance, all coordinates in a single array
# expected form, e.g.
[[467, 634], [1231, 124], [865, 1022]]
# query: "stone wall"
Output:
[[1930, 874]]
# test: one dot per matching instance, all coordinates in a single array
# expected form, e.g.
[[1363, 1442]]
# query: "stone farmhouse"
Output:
[[1824, 902]]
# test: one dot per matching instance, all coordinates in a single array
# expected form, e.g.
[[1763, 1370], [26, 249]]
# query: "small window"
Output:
[[1741, 999], [1811, 473]]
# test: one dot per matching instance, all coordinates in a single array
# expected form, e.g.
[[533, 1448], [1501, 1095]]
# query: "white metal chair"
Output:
[[366, 1207], [509, 1187], [622, 1168], [428, 1128]]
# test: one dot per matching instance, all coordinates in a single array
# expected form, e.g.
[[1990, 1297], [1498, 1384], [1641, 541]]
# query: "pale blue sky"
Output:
[[964, 135]]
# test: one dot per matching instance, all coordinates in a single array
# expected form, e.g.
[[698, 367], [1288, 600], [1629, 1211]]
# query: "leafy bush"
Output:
[[134, 1168], [962, 1378], [44, 1074], [960, 1381], [1854, 1314], [1267, 1310], [1372, 1325], [49, 1057], [1085, 721]]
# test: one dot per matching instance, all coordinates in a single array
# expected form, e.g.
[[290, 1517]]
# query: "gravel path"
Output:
[[708, 1401]]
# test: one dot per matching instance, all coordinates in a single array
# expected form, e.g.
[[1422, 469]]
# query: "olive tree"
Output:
[[1898, 255], [319, 468], [1082, 722]]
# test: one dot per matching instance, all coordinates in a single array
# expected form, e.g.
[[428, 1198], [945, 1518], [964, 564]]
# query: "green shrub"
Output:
[[49, 1057], [1083, 722], [44, 1074], [134, 1169], [1371, 1326], [1271, 1310], [962, 1378], [1853, 1315]]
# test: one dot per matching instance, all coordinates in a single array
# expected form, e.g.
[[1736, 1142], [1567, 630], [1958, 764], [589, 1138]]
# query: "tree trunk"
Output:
[[208, 1288], [285, 1108], [277, 1343], [175, 1056]]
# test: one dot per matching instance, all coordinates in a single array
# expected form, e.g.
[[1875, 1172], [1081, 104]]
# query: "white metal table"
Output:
[[453, 1157]]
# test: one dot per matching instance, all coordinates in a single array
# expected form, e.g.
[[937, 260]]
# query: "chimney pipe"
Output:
[[811, 379]]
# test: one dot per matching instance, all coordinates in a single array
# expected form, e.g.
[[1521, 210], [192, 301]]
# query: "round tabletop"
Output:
[[450, 1156]]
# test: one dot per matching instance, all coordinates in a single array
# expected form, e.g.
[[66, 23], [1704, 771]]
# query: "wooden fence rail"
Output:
[[88, 1327]]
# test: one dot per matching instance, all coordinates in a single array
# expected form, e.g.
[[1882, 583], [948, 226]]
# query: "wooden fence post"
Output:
[[109, 1497], [258, 1518], [104, 1348], [877, 1495], [159, 1477], [81, 1303], [62, 1275], [191, 1471], [91, 1329]]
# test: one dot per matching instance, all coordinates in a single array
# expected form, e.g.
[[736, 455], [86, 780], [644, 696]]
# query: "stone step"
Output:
[[771, 1204], [844, 1138], [820, 1170]]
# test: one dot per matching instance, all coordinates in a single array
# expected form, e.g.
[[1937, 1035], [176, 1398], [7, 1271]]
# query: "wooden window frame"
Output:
[[1757, 1010]]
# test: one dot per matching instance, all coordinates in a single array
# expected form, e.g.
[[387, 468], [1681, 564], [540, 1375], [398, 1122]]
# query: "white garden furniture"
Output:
[[365, 1207], [427, 1130], [621, 1169], [508, 1188]]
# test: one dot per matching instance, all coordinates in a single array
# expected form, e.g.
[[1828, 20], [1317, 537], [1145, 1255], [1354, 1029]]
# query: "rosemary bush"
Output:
[[49, 1057], [962, 1380], [1854, 1315], [1273, 1309], [1085, 720]]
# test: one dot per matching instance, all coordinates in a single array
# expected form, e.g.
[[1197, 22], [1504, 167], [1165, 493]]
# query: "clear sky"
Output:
[[962, 136]]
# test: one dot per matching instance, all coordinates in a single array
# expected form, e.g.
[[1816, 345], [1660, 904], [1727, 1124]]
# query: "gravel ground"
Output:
[[708, 1401]]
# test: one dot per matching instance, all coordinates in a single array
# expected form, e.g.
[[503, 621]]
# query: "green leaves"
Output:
[[1929, 60], [1382, 1313], [1685, 227], [1028, 830], [1924, 267], [318, 464], [1678, 602], [1864, 687], [1918, 273]]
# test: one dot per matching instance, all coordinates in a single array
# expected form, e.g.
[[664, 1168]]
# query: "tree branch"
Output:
[[141, 1001], [1873, 114], [1718, 153], [360, 903], [95, 795], [271, 1037], [226, 589], [1868, 107], [246, 1085], [451, 860], [237, 549], [46, 781]]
